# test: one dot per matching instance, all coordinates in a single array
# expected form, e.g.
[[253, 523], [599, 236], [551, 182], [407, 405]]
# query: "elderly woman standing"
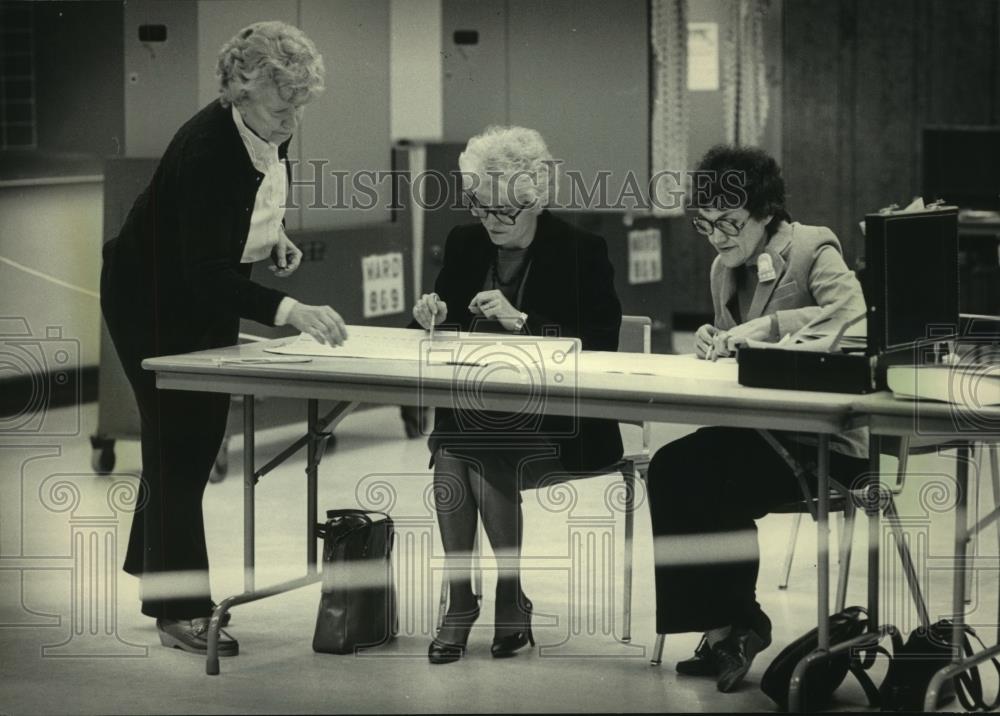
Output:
[[177, 279], [771, 277], [518, 269]]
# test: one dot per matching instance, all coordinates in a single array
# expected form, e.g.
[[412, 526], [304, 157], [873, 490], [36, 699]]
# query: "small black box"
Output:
[[806, 370]]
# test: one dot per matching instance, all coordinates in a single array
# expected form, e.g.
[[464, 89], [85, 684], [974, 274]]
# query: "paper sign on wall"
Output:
[[382, 283], [645, 264]]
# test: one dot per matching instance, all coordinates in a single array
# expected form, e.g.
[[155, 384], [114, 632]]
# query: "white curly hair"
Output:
[[518, 158], [274, 52]]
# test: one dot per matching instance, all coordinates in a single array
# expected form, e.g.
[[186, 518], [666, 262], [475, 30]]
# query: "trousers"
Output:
[[705, 492], [181, 433]]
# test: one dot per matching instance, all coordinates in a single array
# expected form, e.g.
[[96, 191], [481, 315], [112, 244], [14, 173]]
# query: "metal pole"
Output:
[[823, 541], [312, 481], [248, 493], [874, 514], [961, 543]]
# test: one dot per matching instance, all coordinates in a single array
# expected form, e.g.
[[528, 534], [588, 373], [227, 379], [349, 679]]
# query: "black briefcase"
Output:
[[357, 608], [786, 369]]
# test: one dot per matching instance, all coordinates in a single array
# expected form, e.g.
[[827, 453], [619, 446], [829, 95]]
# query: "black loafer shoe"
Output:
[[736, 653], [192, 635], [703, 663]]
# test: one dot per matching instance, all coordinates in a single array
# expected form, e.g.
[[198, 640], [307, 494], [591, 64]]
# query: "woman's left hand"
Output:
[[285, 255], [726, 342], [493, 304]]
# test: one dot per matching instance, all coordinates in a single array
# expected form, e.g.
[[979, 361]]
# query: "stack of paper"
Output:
[[972, 385], [446, 348]]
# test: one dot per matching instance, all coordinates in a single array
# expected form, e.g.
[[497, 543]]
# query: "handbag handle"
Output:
[[969, 684]]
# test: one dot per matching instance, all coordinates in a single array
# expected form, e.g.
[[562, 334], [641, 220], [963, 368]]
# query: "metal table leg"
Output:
[[822, 577], [312, 481], [249, 486], [958, 580], [315, 441], [873, 509]]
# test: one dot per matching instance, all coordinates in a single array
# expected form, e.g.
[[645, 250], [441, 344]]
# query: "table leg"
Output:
[[823, 541], [961, 543], [312, 481], [958, 584], [249, 485], [874, 513], [822, 577]]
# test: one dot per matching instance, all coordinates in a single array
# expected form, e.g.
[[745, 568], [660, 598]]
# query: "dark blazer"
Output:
[[175, 266], [569, 291]]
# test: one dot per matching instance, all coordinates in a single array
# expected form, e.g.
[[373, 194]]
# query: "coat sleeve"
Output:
[[208, 267], [833, 286], [598, 316]]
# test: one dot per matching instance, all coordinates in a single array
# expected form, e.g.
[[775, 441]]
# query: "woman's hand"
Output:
[[703, 340], [321, 322], [493, 304], [724, 343], [285, 255], [430, 310]]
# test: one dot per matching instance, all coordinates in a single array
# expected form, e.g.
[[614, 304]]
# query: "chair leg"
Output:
[[910, 572], [846, 545], [790, 554], [629, 478], [657, 651], [976, 455], [995, 481]]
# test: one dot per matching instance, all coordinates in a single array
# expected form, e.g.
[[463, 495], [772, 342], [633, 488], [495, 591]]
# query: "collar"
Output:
[[260, 150], [777, 248]]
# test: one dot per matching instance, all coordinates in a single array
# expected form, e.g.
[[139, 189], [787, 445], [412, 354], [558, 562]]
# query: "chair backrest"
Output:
[[635, 335]]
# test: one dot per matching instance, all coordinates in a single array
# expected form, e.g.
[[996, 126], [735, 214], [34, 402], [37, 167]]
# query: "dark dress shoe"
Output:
[[452, 648], [736, 653], [507, 645], [703, 663], [192, 635]]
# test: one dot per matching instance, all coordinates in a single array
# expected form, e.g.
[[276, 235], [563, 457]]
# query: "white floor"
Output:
[[73, 641]]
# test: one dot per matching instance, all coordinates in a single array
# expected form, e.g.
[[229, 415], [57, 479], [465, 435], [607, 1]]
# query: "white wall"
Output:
[[161, 79], [54, 229], [415, 96]]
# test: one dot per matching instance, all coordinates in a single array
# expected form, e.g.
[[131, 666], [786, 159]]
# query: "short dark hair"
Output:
[[729, 176]]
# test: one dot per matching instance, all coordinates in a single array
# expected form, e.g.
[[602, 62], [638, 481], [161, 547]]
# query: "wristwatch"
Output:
[[522, 318]]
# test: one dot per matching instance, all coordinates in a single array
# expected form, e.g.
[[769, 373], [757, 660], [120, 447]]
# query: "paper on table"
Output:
[[446, 348], [657, 364]]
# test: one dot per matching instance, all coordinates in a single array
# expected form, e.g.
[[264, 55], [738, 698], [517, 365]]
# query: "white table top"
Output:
[[622, 386]]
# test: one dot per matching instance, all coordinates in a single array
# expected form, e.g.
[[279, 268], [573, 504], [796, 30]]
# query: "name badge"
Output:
[[765, 268]]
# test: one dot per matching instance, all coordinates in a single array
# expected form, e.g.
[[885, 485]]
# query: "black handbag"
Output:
[[926, 652], [357, 607], [824, 677]]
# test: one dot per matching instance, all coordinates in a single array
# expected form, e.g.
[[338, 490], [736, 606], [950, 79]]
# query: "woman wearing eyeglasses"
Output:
[[771, 277], [517, 270]]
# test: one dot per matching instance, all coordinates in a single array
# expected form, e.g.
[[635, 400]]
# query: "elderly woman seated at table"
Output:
[[771, 278], [517, 270]]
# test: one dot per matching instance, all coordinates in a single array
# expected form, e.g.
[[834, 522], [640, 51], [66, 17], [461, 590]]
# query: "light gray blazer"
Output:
[[810, 275]]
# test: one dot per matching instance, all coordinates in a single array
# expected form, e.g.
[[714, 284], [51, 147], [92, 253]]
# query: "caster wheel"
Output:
[[102, 460]]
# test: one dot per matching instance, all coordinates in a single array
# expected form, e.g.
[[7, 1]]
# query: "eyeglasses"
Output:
[[505, 215], [726, 226]]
